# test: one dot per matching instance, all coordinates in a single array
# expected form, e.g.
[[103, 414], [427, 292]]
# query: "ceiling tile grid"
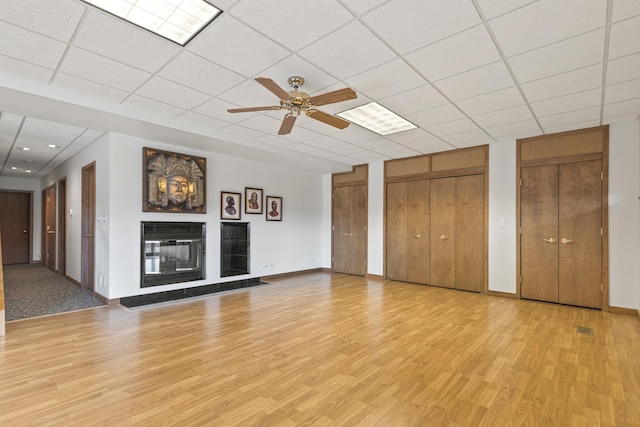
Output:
[[466, 72]]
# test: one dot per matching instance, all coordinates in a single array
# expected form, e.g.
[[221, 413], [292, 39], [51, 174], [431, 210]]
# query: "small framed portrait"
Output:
[[230, 205], [253, 200], [274, 208]]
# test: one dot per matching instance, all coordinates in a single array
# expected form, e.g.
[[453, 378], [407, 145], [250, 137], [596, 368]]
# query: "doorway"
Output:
[[15, 226], [62, 226], [88, 226], [49, 236]]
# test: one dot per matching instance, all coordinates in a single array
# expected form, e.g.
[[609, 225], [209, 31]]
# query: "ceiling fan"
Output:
[[298, 102]]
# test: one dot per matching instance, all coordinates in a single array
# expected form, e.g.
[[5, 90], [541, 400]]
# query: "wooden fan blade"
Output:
[[328, 119], [287, 124], [273, 87], [246, 110], [336, 96]]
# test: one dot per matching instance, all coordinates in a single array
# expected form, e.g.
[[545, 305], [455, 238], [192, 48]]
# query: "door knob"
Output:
[[417, 236], [51, 232], [87, 235], [350, 234], [567, 241], [24, 231], [550, 240], [444, 237]]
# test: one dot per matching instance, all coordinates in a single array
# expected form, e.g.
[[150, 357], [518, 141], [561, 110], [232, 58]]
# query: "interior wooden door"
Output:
[[50, 228], [349, 229], [469, 233], [580, 235], [417, 232], [15, 209], [442, 233], [340, 214], [88, 226], [397, 231], [539, 237]]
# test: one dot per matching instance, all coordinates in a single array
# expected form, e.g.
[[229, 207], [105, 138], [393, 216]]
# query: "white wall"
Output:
[[293, 244], [33, 185], [375, 227]]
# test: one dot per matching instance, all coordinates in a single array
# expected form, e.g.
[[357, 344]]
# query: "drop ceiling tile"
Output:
[[315, 80], [572, 54], [512, 131], [376, 143], [317, 126], [623, 108], [324, 142], [625, 38], [494, 8], [397, 21], [397, 151], [30, 47], [243, 131], [546, 22], [345, 149], [564, 84], [202, 120], [39, 132], [198, 73], [107, 35], [233, 45], [569, 118], [274, 140], [572, 126], [442, 114], [316, 18], [261, 123], [468, 139], [414, 100], [623, 69], [366, 156], [409, 136], [386, 80], [171, 93], [567, 103], [101, 70], [500, 117], [299, 133], [217, 108], [450, 128], [302, 148], [152, 106], [353, 134], [89, 89], [482, 80], [361, 6], [461, 52], [434, 145], [347, 51], [25, 70], [492, 101], [623, 9], [56, 19]]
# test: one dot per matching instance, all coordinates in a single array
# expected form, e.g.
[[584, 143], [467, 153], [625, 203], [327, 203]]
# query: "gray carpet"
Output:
[[31, 290]]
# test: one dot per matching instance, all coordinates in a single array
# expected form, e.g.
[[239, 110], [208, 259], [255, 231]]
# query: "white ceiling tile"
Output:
[[493, 8], [564, 84], [353, 134], [25, 70], [375, 143], [243, 131], [625, 38], [375, 83], [301, 148], [89, 89], [317, 18], [361, 6], [38, 132], [200, 74], [153, 106], [623, 69], [622, 91], [409, 136], [450, 128], [105, 71], [324, 142], [261, 123], [202, 120], [237, 47], [572, 54], [345, 149], [107, 35], [623, 108], [545, 22], [409, 25], [30, 47], [462, 52], [572, 126], [172, 93], [566, 103], [482, 80], [348, 51], [250, 93], [492, 101], [218, 108], [442, 114], [620, 119], [274, 140], [468, 139], [56, 19], [569, 118], [414, 100], [368, 156], [515, 130], [315, 80], [397, 151], [429, 146], [9, 126], [509, 115], [623, 9], [299, 133]]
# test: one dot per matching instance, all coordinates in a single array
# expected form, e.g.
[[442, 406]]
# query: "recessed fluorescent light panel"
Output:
[[375, 117], [176, 20]]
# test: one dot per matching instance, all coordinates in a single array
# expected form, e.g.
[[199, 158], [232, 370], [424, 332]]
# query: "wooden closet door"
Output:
[[341, 212], [580, 239], [469, 233], [418, 219], [396, 231], [442, 235], [358, 230], [538, 240]]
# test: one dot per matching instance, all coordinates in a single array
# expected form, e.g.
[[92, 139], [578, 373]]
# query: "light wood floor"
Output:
[[324, 349]]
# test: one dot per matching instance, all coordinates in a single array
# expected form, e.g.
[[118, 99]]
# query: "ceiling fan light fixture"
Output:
[[377, 118], [175, 20]]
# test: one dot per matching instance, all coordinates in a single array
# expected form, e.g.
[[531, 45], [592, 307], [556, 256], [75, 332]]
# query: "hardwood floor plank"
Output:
[[324, 349]]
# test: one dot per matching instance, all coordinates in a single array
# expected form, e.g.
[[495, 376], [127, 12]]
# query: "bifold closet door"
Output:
[[560, 242], [469, 233], [396, 231], [443, 232]]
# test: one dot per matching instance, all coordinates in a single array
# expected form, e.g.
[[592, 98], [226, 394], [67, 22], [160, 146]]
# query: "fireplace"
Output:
[[172, 252]]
